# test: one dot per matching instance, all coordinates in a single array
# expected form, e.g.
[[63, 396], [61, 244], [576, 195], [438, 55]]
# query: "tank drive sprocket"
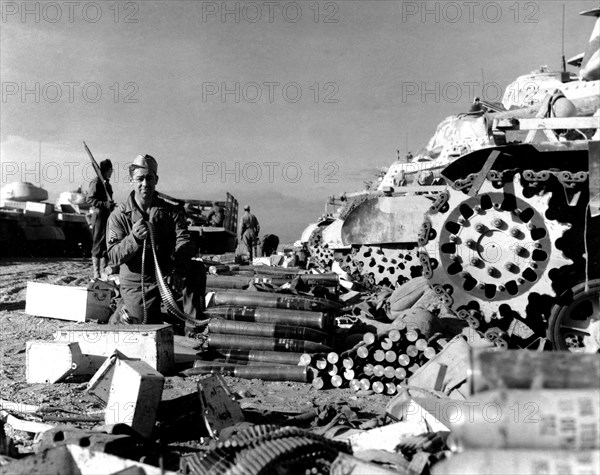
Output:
[[489, 256]]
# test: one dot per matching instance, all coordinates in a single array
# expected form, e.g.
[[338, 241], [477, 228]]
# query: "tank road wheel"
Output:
[[388, 267], [318, 250], [490, 257], [574, 323]]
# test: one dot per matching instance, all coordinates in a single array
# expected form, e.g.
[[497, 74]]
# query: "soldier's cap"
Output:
[[145, 161], [247, 208]]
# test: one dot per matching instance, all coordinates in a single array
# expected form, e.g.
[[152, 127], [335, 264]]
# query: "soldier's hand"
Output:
[[140, 230]]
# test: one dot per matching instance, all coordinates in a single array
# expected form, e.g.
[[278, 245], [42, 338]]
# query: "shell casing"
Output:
[[276, 330], [225, 341], [302, 318]]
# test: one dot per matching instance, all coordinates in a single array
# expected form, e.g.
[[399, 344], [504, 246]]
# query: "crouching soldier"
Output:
[[129, 245]]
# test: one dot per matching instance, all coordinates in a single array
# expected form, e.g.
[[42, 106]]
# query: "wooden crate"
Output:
[[135, 394], [62, 302], [150, 343], [101, 382], [50, 361]]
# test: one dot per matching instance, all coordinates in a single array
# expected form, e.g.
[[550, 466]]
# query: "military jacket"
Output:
[[174, 247]]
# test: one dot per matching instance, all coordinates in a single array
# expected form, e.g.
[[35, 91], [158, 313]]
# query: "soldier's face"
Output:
[[144, 182]]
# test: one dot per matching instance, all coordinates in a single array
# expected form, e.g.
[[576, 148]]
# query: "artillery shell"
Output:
[[394, 335], [332, 370], [386, 344], [336, 381], [242, 363], [227, 282], [327, 280], [272, 300], [316, 320], [379, 355], [389, 372], [333, 357], [305, 359], [273, 270], [390, 356], [318, 383], [519, 369], [400, 374], [378, 387], [321, 363], [390, 388], [219, 340], [322, 279], [280, 357], [365, 384], [348, 363], [349, 374], [355, 385], [362, 352], [219, 325], [378, 371], [277, 373], [267, 373], [411, 335], [429, 353], [369, 338], [403, 360], [421, 344], [411, 350], [368, 369]]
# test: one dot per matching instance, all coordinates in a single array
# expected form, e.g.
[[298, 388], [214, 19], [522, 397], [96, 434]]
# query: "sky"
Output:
[[279, 103]]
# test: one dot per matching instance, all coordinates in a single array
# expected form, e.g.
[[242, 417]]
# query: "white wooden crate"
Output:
[[51, 362], [135, 393], [62, 302], [150, 343]]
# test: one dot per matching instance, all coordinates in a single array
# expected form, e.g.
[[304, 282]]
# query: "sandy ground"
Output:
[[17, 328]]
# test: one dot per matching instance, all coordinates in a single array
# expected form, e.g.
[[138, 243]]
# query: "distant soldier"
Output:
[[216, 216], [250, 230], [101, 205]]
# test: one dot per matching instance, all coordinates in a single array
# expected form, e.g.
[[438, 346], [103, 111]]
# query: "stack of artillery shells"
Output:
[[382, 363]]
